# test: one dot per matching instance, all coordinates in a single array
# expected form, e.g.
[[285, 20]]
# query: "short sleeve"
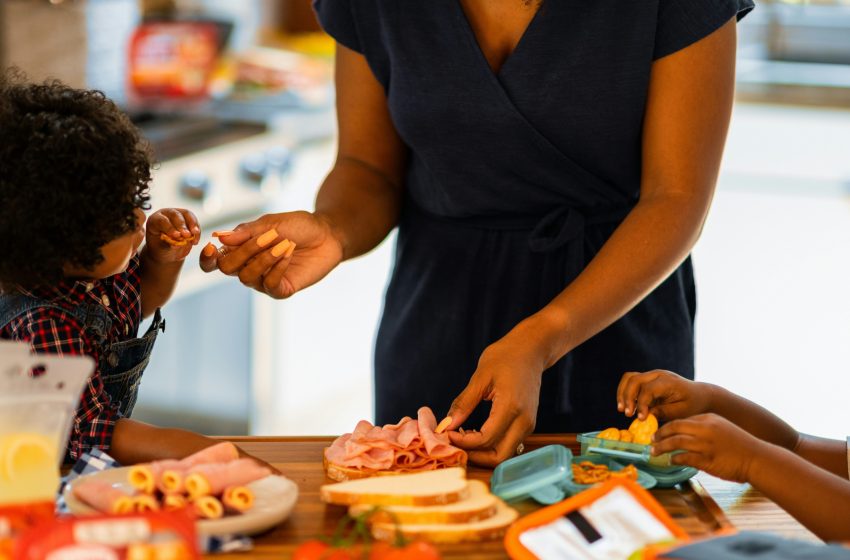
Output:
[[337, 19], [684, 22]]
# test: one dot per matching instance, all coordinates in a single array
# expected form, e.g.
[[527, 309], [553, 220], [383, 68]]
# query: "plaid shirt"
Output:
[[51, 331]]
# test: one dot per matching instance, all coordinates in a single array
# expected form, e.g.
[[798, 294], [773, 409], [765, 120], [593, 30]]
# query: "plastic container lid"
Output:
[[538, 474], [625, 452], [668, 478]]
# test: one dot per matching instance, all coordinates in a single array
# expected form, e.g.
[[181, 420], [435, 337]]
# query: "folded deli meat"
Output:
[[412, 445]]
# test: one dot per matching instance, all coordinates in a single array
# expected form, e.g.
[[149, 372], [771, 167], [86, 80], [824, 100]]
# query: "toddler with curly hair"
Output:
[[74, 177]]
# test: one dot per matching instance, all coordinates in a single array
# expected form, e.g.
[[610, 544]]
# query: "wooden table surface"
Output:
[[701, 506]]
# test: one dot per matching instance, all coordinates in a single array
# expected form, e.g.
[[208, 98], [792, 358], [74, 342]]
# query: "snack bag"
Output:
[[38, 397], [158, 535], [17, 519], [611, 521]]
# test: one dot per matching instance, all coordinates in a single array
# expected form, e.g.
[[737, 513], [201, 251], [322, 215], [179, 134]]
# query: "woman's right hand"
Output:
[[664, 394], [274, 268]]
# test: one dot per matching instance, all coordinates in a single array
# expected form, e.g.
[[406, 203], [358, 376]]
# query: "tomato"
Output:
[[420, 550], [340, 554], [310, 550]]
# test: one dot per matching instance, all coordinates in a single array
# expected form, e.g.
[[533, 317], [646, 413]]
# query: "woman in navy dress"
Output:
[[549, 166]]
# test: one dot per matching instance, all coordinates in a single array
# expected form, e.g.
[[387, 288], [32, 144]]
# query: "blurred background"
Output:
[[237, 101]]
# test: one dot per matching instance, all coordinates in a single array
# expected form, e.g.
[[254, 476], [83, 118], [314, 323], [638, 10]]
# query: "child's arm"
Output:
[[136, 442], [670, 396], [161, 261], [818, 499]]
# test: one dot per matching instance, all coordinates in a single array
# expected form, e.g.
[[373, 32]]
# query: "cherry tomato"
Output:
[[420, 550], [310, 550]]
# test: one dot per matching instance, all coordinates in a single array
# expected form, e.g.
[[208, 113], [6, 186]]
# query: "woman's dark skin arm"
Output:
[[671, 397], [357, 206], [818, 499], [687, 115]]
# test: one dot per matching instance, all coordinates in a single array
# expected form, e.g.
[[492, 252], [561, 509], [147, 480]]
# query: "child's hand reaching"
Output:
[[710, 443], [663, 393], [171, 234]]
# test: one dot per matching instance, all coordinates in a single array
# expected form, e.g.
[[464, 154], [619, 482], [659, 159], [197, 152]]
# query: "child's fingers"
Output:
[[178, 221], [631, 385], [192, 224], [683, 442], [697, 460]]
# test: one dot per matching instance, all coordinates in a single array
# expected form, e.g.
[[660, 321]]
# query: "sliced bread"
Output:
[[480, 505], [341, 474], [443, 486], [450, 533]]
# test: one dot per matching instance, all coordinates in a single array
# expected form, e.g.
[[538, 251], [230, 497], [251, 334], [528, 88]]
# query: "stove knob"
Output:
[[279, 159], [254, 167], [194, 184]]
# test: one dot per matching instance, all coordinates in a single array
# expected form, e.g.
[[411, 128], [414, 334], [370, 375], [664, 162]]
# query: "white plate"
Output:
[[275, 496]]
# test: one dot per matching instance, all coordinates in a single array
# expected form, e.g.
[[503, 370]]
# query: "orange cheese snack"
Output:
[[208, 507], [238, 498], [175, 243]]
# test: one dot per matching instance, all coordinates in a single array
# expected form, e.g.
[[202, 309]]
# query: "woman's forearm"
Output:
[[361, 204], [645, 249], [818, 499]]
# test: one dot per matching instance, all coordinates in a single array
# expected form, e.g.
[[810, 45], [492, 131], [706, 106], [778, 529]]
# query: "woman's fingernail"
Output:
[[267, 238], [209, 250], [620, 406], [222, 233], [280, 248], [290, 250], [441, 427]]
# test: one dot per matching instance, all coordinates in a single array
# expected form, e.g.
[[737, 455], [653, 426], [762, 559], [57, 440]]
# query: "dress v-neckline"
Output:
[[473, 38]]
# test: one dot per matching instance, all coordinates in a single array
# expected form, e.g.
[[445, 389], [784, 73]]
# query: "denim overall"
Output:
[[121, 363]]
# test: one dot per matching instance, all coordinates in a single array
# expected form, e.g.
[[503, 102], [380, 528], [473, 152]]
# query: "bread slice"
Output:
[[480, 505], [452, 533], [443, 486]]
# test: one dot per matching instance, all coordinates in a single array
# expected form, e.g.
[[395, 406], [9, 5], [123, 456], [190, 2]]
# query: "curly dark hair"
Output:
[[73, 169]]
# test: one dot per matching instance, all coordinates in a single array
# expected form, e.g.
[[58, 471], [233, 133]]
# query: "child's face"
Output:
[[116, 254]]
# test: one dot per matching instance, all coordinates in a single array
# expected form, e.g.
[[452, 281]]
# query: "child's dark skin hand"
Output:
[[663, 393], [161, 260], [710, 443], [179, 225]]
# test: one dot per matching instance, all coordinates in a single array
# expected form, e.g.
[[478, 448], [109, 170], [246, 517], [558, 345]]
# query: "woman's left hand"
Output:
[[509, 374], [171, 234]]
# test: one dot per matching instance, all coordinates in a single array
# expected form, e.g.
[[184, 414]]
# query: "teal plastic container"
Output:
[[644, 479], [539, 474], [660, 467]]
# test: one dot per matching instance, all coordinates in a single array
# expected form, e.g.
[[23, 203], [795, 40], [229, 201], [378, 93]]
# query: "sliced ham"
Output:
[[212, 479], [103, 497], [408, 446], [219, 453]]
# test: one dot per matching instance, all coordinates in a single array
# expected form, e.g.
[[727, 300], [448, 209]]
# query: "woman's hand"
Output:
[[302, 249], [509, 374], [179, 226], [663, 393], [710, 443]]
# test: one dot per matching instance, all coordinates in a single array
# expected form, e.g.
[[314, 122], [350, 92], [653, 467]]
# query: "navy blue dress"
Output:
[[516, 179]]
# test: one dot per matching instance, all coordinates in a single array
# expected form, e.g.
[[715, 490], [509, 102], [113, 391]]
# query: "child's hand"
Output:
[[710, 443], [663, 393], [171, 234]]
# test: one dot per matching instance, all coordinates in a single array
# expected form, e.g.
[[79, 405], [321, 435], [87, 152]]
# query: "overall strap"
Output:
[[94, 318]]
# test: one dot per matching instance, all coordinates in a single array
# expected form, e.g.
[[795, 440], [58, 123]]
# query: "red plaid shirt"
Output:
[[51, 331]]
